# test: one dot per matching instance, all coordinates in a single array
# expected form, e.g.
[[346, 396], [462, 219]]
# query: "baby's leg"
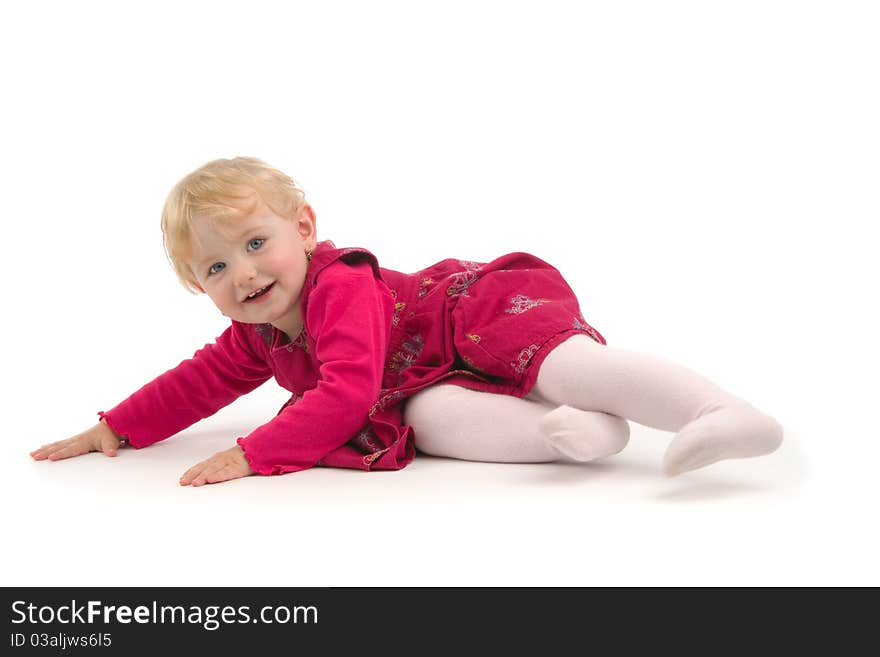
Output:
[[711, 423], [456, 422]]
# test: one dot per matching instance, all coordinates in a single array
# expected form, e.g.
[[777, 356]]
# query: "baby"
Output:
[[479, 361]]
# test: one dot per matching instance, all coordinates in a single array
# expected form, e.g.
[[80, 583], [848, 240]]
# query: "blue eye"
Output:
[[216, 268], [256, 243]]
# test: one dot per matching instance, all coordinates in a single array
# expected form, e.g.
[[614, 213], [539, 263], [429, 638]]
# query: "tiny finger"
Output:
[[192, 473], [43, 451], [66, 452]]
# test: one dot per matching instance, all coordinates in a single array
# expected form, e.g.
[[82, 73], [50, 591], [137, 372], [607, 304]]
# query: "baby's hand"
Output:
[[223, 466], [100, 438]]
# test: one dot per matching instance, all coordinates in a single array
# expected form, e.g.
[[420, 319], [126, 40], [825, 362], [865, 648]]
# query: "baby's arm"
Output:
[[215, 376], [100, 438]]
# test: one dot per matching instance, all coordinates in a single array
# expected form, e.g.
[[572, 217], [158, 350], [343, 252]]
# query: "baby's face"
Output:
[[255, 272]]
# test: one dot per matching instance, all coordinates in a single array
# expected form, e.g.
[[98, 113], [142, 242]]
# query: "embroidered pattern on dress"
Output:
[[593, 333], [265, 332], [462, 280], [522, 303], [424, 284], [580, 324], [369, 458], [301, 341], [409, 351], [524, 357], [366, 440], [398, 308], [385, 400]]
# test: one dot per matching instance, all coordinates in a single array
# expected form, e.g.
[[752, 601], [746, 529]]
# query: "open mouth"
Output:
[[256, 294]]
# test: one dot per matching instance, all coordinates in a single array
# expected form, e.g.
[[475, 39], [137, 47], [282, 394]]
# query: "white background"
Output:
[[705, 175]]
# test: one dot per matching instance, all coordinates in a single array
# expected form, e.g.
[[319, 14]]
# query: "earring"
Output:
[[309, 255]]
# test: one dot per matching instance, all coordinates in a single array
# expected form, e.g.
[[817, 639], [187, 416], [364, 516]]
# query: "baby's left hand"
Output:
[[223, 466]]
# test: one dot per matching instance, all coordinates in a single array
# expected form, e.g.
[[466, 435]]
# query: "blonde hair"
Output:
[[222, 190]]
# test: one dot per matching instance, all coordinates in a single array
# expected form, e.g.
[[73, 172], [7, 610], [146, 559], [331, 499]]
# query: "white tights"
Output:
[[575, 410]]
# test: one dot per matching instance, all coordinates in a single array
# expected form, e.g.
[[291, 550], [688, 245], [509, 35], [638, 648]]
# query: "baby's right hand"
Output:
[[100, 438]]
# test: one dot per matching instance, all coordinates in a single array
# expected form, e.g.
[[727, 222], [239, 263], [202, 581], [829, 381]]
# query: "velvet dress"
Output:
[[372, 337]]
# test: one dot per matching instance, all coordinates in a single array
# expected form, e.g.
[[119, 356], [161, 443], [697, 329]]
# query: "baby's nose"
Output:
[[245, 275]]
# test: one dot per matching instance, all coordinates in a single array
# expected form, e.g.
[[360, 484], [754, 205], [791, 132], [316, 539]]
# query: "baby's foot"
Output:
[[584, 435], [722, 431]]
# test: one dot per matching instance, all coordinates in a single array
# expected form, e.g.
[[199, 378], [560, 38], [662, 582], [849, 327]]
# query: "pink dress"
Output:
[[372, 337]]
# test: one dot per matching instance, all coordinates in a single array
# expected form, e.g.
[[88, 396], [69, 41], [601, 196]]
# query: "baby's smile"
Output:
[[259, 294]]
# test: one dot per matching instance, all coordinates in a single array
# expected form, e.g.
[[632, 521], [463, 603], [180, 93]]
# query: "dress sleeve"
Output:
[[349, 316], [216, 375]]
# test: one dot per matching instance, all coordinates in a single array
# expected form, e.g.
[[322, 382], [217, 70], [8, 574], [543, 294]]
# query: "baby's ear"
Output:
[[306, 222]]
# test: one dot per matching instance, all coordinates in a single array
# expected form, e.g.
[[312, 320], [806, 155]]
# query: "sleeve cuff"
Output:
[[256, 467], [122, 436]]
